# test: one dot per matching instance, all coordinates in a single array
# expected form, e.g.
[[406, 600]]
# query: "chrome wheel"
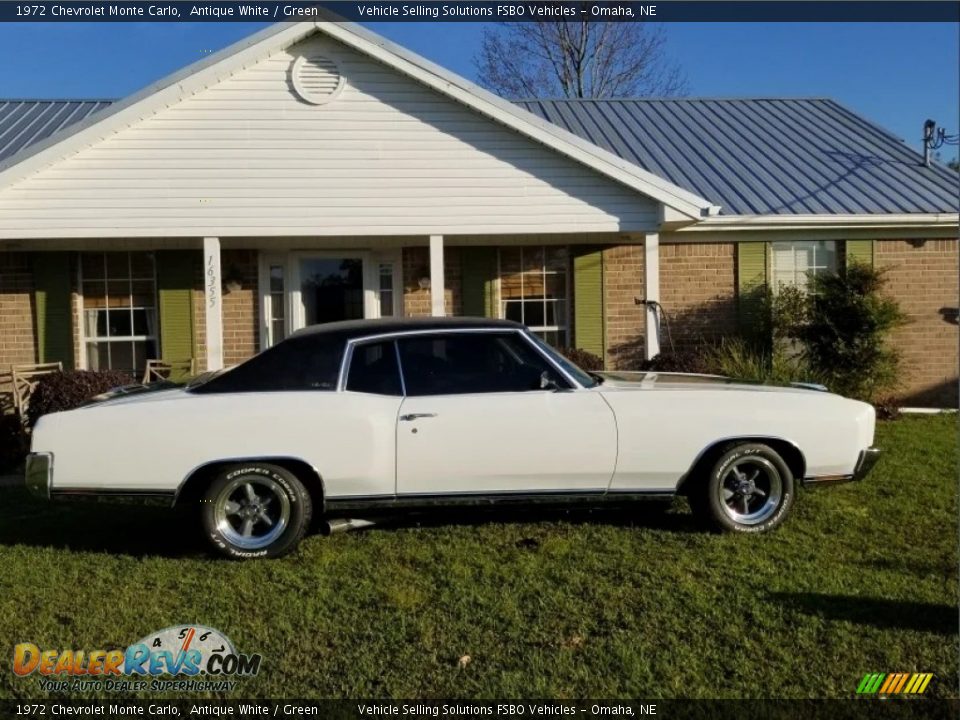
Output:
[[251, 511], [750, 490]]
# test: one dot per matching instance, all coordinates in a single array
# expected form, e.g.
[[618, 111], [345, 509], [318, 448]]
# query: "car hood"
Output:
[[136, 394], [620, 380]]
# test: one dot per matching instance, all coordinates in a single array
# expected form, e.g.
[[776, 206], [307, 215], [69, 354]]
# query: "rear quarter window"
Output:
[[305, 363]]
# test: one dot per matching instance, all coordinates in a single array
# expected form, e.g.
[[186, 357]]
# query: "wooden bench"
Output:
[[159, 370]]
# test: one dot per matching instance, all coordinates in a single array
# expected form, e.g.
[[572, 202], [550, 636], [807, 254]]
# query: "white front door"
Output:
[[475, 421]]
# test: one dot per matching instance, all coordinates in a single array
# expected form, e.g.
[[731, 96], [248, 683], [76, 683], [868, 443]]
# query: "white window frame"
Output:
[[562, 331], [293, 308], [802, 279], [81, 315]]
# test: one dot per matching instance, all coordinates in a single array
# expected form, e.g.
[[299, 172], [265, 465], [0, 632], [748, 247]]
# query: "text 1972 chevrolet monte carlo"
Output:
[[363, 416]]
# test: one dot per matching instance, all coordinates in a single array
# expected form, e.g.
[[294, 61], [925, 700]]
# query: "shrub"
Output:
[[14, 442], [684, 361], [582, 358], [742, 360], [67, 390], [845, 332]]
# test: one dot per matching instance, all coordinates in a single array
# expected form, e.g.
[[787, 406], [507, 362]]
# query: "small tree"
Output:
[[844, 333], [577, 59]]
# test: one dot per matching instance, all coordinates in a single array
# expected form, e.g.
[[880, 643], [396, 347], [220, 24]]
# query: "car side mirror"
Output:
[[548, 383]]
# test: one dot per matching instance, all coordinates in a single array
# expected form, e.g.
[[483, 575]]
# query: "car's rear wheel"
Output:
[[749, 489], [256, 510]]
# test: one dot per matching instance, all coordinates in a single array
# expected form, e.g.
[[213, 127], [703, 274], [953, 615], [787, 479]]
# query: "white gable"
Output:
[[384, 155]]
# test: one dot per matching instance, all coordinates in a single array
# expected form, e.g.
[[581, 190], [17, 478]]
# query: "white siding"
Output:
[[388, 156]]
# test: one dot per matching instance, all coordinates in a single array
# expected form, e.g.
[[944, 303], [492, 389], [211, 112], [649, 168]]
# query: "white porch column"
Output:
[[213, 310], [437, 289], [651, 289]]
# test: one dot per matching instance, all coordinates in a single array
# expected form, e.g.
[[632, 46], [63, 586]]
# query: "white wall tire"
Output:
[[749, 489], [255, 510]]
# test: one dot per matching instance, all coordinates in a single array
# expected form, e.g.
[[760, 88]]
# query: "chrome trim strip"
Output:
[[394, 335], [574, 385], [403, 380], [826, 480], [545, 497], [254, 458], [113, 492], [399, 335], [744, 438]]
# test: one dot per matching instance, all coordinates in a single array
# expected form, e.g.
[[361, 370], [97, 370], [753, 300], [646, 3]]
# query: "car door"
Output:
[[485, 413]]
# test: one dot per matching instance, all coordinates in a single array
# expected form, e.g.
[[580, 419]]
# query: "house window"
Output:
[[796, 263], [534, 290], [119, 310], [385, 288], [276, 310]]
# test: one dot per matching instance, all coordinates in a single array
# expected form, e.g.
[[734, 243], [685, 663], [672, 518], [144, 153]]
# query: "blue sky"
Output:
[[896, 74]]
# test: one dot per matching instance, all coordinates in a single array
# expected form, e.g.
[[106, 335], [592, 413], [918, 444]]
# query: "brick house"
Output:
[[317, 172]]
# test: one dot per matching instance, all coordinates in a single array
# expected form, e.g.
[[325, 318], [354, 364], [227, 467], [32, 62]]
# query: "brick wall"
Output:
[[416, 262], [17, 328], [924, 281], [241, 312], [698, 293], [625, 325]]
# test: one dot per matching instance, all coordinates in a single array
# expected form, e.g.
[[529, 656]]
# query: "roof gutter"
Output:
[[946, 221]]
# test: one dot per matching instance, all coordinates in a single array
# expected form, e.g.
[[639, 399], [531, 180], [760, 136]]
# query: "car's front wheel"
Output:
[[749, 489], [256, 510]]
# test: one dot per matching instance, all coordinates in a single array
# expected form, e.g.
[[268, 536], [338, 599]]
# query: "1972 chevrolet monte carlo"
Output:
[[366, 416]]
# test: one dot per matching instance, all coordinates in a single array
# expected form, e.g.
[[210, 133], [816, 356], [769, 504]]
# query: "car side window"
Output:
[[461, 363], [373, 369], [304, 363]]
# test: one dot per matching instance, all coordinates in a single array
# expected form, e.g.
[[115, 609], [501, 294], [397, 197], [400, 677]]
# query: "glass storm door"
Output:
[[299, 289], [331, 289]]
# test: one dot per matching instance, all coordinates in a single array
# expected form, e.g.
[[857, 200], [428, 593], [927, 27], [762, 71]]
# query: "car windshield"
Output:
[[578, 374]]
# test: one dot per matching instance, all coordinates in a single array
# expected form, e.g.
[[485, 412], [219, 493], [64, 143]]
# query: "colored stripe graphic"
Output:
[[894, 683]]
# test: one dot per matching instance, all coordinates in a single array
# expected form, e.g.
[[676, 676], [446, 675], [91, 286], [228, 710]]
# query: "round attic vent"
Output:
[[316, 79]]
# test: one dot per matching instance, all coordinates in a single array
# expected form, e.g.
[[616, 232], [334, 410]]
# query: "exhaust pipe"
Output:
[[338, 525]]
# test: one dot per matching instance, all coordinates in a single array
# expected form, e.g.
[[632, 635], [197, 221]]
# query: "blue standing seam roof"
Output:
[[760, 156], [764, 156], [25, 122]]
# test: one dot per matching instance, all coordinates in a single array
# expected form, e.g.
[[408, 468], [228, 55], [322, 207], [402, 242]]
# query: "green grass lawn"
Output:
[[862, 578]]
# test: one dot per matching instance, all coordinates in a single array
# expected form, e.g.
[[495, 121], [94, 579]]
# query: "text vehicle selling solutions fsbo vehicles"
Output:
[[380, 415]]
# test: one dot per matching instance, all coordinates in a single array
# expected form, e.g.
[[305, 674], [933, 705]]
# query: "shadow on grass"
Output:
[[113, 526], [649, 515], [136, 529], [877, 612]]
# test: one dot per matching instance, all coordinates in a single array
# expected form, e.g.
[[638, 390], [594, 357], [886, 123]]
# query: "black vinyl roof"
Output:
[[350, 329]]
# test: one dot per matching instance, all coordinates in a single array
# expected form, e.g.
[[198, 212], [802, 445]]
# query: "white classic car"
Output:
[[360, 417]]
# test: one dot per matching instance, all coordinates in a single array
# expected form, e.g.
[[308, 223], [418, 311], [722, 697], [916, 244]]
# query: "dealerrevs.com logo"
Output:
[[182, 658]]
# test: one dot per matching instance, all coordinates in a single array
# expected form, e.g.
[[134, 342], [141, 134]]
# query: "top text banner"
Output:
[[367, 11]]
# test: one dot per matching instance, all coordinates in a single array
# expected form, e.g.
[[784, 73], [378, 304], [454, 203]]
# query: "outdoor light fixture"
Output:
[[232, 282], [423, 277]]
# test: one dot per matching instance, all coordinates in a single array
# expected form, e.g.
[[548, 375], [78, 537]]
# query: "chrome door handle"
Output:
[[415, 416]]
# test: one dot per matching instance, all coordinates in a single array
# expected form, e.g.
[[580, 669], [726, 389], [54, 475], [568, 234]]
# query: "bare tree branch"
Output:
[[584, 58]]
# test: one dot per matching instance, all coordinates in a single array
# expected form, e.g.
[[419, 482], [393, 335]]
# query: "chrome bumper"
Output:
[[39, 474], [868, 458], [865, 462]]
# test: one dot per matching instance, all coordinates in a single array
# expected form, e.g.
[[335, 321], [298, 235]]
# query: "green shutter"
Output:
[[175, 278], [860, 251], [51, 278], [478, 268], [588, 318], [751, 281]]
